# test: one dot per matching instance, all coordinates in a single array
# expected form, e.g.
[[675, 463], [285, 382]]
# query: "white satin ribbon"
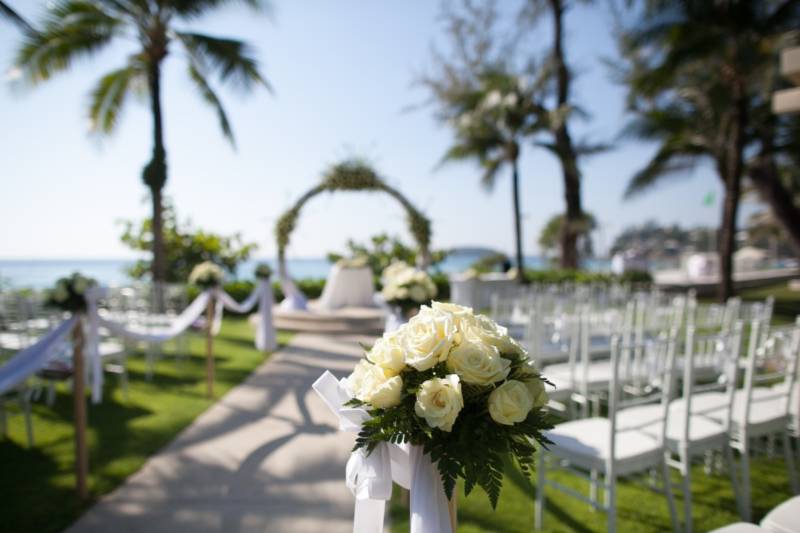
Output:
[[370, 477], [35, 357]]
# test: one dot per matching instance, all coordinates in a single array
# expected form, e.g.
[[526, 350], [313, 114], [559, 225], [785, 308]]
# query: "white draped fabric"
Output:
[[370, 477], [294, 299], [266, 339], [33, 358], [347, 287]]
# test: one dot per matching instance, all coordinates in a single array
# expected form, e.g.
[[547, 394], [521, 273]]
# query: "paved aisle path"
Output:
[[267, 457]]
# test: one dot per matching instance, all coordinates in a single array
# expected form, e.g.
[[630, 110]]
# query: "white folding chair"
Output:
[[597, 446]]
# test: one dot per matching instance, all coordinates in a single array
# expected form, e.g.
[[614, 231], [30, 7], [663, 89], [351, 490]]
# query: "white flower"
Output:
[[478, 363], [372, 384], [427, 340], [206, 273], [510, 403], [418, 293], [393, 270], [386, 393], [510, 100], [492, 99], [537, 391], [484, 329], [387, 353], [439, 401]]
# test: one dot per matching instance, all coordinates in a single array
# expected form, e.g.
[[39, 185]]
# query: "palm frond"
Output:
[[195, 8], [8, 13], [229, 58], [108, 97], [73, 28], [212, 99], [666, 162]]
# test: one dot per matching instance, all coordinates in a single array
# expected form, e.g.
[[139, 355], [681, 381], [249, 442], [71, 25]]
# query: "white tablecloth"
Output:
[[347, 287]]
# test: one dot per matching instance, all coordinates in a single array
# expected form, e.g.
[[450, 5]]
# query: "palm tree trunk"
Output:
[[734, 167], [764, 176], [565, 149], [517, 221], [155, 176]]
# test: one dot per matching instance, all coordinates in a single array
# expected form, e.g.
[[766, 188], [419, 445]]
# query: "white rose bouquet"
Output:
[[69, 294], [353, 262], [406, 287], [206, 275], [263, 271], [456, 384]]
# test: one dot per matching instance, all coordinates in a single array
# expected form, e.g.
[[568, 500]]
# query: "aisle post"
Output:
[[452, 506], [210, 347], [79, 409]]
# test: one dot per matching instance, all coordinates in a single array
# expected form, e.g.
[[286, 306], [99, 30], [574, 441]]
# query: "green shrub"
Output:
[[583, 276], [442, 282]]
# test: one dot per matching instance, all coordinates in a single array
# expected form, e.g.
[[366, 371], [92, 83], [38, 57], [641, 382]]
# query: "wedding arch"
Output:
[[354, 175]]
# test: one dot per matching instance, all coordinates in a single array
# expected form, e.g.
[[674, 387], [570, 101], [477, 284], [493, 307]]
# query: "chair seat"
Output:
[[585, 443], [599, 374], [704, 432], [784, 518], [764, 414], [562, 390]]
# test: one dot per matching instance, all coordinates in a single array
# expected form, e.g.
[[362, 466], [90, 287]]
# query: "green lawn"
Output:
[[787, 301], [37, 485], [639, 509]]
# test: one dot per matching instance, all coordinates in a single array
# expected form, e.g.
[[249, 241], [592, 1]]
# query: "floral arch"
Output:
[[354, 175]]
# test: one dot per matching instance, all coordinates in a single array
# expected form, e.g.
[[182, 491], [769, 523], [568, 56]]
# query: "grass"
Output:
[[639, 509], [787, 301], [37, 484]]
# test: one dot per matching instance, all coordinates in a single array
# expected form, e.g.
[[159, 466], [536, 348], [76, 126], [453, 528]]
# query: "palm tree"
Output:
[[563, 146], [8, 13], [491, 119], [73, 29], [694, 68]]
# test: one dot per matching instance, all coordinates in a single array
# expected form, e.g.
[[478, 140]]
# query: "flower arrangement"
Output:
[[406, 287], [263, 271], [353, 262], [206, 275], [456, 384], [69, 294]]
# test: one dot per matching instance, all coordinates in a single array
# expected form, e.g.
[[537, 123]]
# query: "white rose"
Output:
[[418, 293], [510, 403], [439, 401], [356, 379], [537, 391], [427, 340], [388, 353], [371, 384], [462, 316], [385, 394], [478, 363], [484, 329]]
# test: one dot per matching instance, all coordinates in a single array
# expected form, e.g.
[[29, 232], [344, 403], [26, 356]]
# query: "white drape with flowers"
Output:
[[370, 476], [29, 361]]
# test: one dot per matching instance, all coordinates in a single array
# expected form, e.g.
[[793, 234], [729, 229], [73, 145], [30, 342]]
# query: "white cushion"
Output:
[[785, 518], [647, 418], [562, 390], [585, 443], [600, 373]]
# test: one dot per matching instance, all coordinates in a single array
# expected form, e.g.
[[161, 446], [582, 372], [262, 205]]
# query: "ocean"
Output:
[[43, 273]]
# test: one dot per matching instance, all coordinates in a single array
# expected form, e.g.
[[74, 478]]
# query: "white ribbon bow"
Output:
[[369, 476]]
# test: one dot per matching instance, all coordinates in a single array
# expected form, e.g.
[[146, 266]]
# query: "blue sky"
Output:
[[343, 75]]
